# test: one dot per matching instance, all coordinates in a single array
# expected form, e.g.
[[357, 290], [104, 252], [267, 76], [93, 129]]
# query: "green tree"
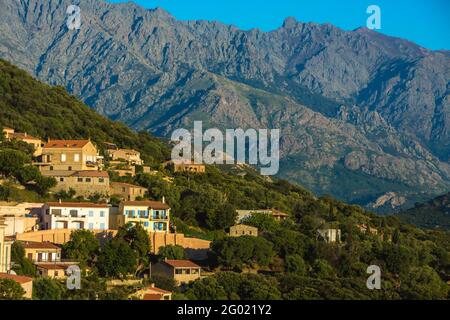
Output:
[[11, 290], [11, 161], [117, 259], [22, 265], [423, 283], [206, 289], [138, 240], [48, 289], [295, 264], [172, 252], [83, 247], [44, 184], [27, 174]]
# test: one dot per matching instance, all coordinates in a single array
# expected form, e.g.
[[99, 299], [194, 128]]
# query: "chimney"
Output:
[[163, 199], [59, 200]]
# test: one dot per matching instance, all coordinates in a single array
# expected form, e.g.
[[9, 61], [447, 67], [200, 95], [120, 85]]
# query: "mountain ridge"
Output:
[[373, 110]]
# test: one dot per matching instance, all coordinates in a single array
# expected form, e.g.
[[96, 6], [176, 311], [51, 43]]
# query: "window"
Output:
[[74, 213], [70, 168], [146, 224], [178, 271], [63, 157], [80, 180], [76, 157], [56, 212], [56, 273], [102, 226], [142, 213], [51, 168], [102, 214], [101, 180], [88, 180], [194, 271], [61, 179], [91, 213], [91, 226]]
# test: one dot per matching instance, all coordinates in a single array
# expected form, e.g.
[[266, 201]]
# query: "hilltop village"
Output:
[[104, 211]]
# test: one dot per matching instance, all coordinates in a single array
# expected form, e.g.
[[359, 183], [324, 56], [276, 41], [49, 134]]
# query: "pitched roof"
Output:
[[156, 290], [66, 143], [19, 279], [126, 185], [152, 296], [53, 266], [87, 173], [151, 204], [77, 204], [21, 135], [38, 245], [182, 264]]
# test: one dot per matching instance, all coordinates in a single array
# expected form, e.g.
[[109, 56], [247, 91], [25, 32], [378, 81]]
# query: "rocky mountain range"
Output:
[[362, 115]]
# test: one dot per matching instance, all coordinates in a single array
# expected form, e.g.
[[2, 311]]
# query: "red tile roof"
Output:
[[157, 290], [20, 135], [66, 143], [182, 264], [77, 204], [126, 185], [19, 279], [38, 245], [151, 204], [152, 296], [52, 266], [96, 174]]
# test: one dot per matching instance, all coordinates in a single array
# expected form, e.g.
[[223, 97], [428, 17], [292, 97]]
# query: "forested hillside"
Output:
[[288, 260]]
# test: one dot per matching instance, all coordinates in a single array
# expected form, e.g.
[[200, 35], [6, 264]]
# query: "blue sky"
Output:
[[426, 22]]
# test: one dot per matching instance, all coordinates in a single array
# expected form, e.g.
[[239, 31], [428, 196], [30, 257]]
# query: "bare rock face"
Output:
[[361, 114]]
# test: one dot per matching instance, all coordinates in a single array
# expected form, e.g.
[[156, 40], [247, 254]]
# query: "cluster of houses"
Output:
[[77, 166]]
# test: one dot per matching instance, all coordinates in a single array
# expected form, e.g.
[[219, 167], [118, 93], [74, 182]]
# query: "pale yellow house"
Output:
[[41, 251], [25, 282], [37, 143], [242, 230], [126, 191], [70, 155], [5, 249], [152, 293], [154, 216], [84, 183], [130, 156], [182, 271], [180, 166], [52, 270]]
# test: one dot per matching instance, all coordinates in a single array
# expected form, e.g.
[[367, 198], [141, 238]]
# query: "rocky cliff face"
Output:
[[361, 114]]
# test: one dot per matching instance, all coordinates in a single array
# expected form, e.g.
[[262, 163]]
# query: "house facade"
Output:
[[70, 155], [154, 216], [242, 230], [126, 191], [72, 215], [130, 156], [37, 143], [25, 282], [5, 249], [276, 214], [41, 251], [182, 271], [329, 235], [84, 183]]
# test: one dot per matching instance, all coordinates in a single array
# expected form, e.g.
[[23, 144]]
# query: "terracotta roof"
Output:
[[88, 173], [157, 290], [66, 143], [20, 135], [152, 296], [126, 185], [39, 245], [52, 266], [182, 264], [151, 204], [19, 279], [77, 204]]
